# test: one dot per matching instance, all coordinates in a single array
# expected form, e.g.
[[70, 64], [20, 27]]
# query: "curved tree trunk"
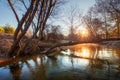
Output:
[[29, 15]]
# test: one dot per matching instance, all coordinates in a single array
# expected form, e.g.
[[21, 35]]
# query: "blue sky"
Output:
[[83, 4], [7, 16]]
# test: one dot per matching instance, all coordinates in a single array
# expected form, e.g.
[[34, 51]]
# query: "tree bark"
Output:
[[17, 41]]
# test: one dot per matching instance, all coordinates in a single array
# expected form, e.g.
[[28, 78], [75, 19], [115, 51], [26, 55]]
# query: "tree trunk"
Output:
[[118, 30], [17, 40]]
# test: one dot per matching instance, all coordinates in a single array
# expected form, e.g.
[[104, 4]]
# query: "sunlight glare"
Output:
[[84, 33], [84, 52]]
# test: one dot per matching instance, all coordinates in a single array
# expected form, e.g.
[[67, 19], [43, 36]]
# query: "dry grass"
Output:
[[6, 41]]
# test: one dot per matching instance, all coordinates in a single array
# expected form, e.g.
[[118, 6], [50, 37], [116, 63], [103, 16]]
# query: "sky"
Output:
[[7, 16], [82, 5]]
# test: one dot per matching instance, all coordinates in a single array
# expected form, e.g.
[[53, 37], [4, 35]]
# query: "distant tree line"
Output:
[[103, 19], [7, 29]]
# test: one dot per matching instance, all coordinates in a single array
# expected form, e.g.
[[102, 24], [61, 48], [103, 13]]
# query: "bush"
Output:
[[2, 30], [9, 29]]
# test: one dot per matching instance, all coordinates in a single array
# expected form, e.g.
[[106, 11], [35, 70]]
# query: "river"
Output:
[[79, 62]]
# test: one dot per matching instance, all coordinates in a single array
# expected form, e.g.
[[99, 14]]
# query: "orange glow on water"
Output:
[[84, 52]]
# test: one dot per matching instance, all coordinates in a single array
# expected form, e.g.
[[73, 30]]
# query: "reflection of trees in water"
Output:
[[38, 68], [15, 70], [96, 65], [101, 66], [86, 51], [98, 68], [71, 59], [117, 52], [52, 62], [89, 52], [38, 71], [94, 70]]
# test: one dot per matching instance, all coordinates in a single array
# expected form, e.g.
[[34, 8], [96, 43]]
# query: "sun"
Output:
[[84, 33]]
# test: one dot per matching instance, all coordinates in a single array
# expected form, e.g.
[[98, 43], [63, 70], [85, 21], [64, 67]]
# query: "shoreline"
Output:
[[112, 44]]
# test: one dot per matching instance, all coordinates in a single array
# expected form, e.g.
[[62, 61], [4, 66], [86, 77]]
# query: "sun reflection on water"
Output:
[[40, 67], [83, 52]]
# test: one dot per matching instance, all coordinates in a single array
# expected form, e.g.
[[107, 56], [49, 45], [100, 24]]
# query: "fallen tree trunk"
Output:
[[49, 48]]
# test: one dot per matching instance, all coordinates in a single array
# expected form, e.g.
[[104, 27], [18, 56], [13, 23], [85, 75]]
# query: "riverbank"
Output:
[[6, 41], [112, 44]]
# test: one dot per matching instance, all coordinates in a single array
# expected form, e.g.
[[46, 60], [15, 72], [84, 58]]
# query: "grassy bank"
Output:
[[6, 41]]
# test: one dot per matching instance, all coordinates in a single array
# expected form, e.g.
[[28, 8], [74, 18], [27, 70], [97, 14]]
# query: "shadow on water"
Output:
[[80, 62]]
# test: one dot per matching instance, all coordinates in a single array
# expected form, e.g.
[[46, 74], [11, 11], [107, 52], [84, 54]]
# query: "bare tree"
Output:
[[54, 33], [41, 8], [100, 12], [72, 19], [87, 19], [100, 8], [114, 10], [110, 10]]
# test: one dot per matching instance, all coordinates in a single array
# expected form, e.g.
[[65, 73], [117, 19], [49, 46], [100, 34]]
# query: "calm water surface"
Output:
[[80, 62]]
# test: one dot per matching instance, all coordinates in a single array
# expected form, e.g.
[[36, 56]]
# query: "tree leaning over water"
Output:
[[41, 9]]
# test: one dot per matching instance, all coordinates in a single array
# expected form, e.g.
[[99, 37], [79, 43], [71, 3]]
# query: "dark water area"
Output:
[[80, 62]]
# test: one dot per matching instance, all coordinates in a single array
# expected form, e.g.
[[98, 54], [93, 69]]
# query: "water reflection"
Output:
[[81, 62], [94, 51], [101, 60], [15, 70]]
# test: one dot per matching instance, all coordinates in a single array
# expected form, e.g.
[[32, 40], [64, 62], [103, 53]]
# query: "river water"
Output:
[[79, 62]]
